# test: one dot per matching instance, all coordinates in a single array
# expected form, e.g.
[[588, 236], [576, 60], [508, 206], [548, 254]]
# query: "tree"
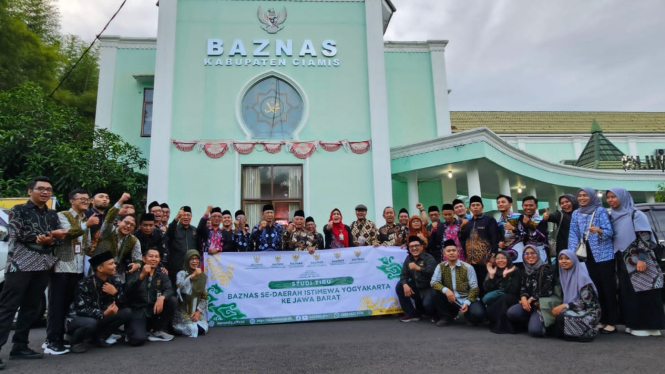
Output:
[[41, 17], [40, 137], [23, 57], [79, 90], [660, 194]]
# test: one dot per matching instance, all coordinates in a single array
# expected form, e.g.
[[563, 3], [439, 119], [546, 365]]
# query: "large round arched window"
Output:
[[272, 109]]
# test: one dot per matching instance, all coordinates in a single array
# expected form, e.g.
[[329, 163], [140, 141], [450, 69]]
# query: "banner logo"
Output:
[[295, 257], [338, 254], [357, 253], [390, 268], [278, 258], [257, 259], [316, 256], [271, 20]]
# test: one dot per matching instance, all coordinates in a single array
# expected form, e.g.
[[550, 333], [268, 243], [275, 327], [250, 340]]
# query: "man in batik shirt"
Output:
[[507, 221], [267, 234], [34, 231], [391, 234], [296, 238], [243, 236], [310, 226], [363, 231], [448, 229]]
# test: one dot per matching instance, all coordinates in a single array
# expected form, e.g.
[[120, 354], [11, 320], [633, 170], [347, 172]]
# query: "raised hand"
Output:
[[491, 270], [125, 196], [546, 215], [93, 220]]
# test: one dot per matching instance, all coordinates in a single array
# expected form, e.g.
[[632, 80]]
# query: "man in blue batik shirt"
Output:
[[267, 234]]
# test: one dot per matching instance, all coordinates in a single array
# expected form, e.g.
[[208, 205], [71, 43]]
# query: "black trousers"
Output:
[[61, 289], [481, 274], [142, 321], [603, 275], [24, 290], [639, 310], [423, 297], [82, 328], [475, 313]]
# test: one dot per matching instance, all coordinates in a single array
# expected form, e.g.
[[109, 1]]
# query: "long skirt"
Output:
[[639, 310], [497, 313], [603, 275]]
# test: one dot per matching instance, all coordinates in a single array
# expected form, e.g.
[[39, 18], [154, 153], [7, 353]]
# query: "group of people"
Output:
[[599, 270], [111, 276], [107, 279]]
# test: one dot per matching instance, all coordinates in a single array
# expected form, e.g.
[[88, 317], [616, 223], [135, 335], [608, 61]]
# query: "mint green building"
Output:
[[237, 103]]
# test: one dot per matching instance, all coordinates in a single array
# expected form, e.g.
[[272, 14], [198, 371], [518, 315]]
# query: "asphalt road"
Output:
[[368, 345]]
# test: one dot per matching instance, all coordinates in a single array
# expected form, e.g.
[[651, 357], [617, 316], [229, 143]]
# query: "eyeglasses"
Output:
[[242, 219], [42, 189]]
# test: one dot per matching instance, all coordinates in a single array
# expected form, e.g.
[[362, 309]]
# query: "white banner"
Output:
[[250, 288]]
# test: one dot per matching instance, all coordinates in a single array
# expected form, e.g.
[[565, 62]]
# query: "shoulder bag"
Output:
[[581, 251], [552, 241]]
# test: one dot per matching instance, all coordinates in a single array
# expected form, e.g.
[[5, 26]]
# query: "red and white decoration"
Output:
[[302, 150]]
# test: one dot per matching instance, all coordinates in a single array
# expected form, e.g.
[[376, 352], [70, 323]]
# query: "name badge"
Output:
[[341, 236], [77, 248]]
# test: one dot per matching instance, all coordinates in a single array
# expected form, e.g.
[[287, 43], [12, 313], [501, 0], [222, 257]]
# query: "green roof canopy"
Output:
[[599, 153]]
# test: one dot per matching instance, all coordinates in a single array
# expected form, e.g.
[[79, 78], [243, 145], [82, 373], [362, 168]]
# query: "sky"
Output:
[[563, 55]]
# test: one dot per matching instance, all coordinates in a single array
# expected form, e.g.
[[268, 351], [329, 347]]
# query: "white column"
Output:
[[504, 182], [107, 60], [412, 189], [650, 197], [531, 191], [473, 178], [440, 82], [577, 145], [632, 146], [448, 189], [160, 141], [378, 107]]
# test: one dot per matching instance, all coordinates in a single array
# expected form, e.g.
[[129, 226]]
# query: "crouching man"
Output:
[[456, 280], [414, 282], [151, 297], [97, 309]]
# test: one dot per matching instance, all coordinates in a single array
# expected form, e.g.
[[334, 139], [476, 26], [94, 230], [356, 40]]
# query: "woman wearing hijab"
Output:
[[537, 283], [336, 233], [502, 287], [416, 228], [561, 218], [577, 318], [190, 316], [640, 278], [600, 253]]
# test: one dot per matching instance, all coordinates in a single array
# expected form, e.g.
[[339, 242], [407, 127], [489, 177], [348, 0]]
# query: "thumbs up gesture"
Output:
[[546, 215]]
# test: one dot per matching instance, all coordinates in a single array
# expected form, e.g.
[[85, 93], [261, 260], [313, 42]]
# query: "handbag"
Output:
[[581, 251], [552, 241]]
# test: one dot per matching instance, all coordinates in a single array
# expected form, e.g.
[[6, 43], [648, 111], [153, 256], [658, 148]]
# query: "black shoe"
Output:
[[101, 343], [444, 322], [79, 348], [605, 331], [55, 348], [24, 353]]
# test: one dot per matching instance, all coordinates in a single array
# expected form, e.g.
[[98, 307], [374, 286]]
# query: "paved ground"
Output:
[[370, 345]]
